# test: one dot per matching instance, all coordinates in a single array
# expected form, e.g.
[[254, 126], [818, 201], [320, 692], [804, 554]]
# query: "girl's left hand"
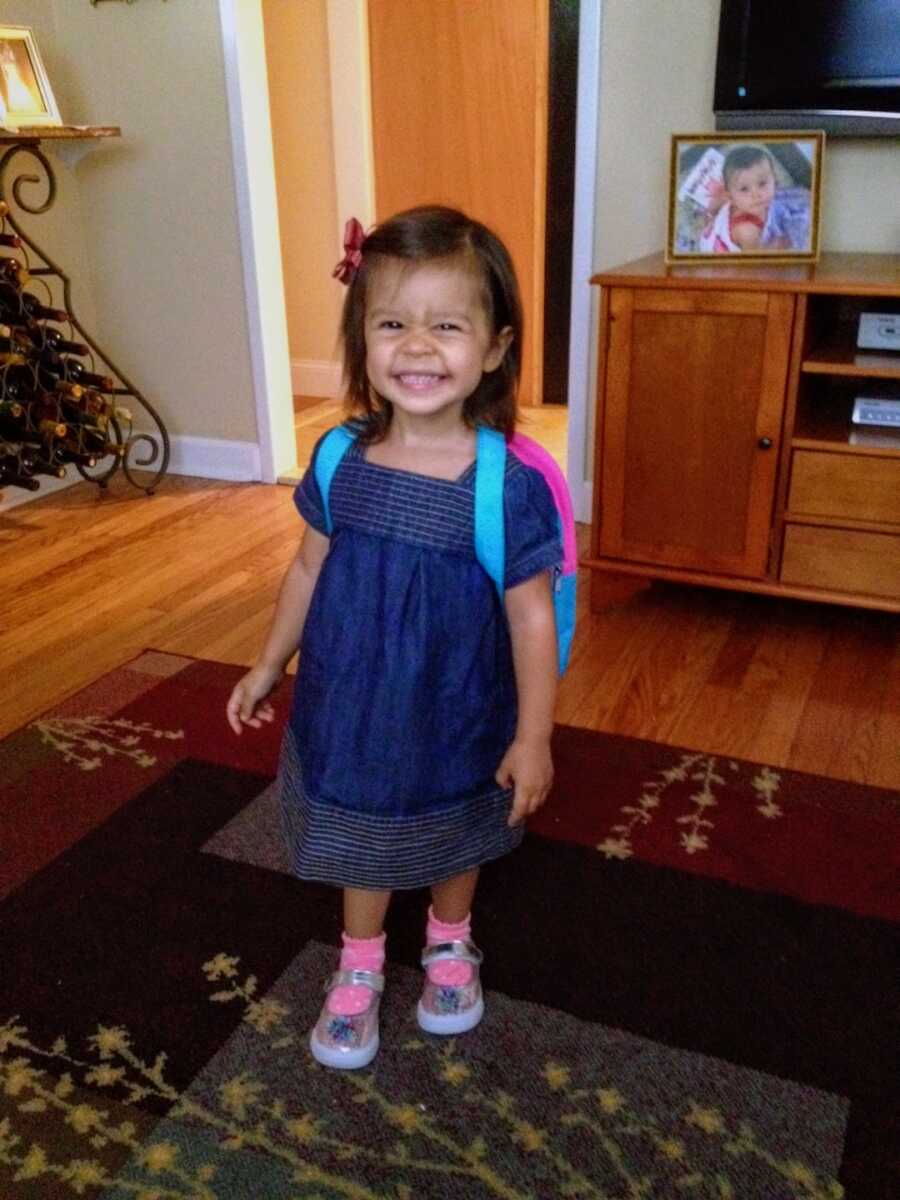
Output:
[[527, 767]]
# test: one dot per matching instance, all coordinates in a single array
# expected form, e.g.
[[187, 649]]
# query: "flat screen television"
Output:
[[809, 64]]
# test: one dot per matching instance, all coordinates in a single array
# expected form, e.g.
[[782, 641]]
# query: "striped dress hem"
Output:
[[349, 848]]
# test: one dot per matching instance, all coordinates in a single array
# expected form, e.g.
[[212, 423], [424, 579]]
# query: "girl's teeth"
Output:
[[418, 380]]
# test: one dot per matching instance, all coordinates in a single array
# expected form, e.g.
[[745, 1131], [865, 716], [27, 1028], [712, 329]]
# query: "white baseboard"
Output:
[[206, 458], [315, 377], [215, 458]]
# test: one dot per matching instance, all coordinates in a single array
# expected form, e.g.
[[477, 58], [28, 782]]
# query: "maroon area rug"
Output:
[[691, 970]]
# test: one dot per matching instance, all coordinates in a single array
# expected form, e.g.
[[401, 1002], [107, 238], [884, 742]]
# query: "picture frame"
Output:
[[26, 97], [745, 197]]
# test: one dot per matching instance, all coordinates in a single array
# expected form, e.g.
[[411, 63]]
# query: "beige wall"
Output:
[[59, 231], [657, 72], [300, 102], [157, 223]]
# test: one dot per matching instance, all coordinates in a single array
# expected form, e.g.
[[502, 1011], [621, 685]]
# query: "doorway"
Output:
[[245, 68]]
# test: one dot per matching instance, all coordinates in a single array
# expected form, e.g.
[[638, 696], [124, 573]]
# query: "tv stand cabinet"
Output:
[[724, 451]]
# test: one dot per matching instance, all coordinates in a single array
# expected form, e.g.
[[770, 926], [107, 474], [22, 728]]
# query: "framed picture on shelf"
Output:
[[751, 196], [26, 98]]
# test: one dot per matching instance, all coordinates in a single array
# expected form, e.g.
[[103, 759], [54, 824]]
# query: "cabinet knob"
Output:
[[765, 443]]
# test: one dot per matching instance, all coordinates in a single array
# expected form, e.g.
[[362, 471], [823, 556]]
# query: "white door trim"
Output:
[[254, 173], [247, 92], [582, 357]]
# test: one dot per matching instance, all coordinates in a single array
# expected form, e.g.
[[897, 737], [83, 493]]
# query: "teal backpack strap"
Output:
[[490, 534], [332, 448]]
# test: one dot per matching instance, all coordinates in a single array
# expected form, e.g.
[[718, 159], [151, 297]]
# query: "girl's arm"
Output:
[[247, 704], [527, 765]]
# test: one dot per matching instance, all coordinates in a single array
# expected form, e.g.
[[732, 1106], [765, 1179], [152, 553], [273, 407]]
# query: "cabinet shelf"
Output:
[[825, 425], [843, 358]]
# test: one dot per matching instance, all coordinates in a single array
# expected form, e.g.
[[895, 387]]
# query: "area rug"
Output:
[[691, 969]]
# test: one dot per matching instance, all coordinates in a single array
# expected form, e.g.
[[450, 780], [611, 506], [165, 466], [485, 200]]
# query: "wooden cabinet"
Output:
[[724, 451]]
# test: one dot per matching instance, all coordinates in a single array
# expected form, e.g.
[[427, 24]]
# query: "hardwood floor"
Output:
[[313, 416], [86, 583]]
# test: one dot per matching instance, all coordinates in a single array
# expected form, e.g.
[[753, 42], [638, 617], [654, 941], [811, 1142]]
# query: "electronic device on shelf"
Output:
[[878, 331], [876, 410]]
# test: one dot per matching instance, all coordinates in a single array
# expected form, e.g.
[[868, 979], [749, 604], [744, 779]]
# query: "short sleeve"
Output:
[[533, 540], [308, 498]]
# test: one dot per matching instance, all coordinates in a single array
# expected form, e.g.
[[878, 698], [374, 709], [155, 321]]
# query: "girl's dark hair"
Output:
[[422, 235], [739, 158]]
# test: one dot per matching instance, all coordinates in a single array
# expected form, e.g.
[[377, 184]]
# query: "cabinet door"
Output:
[[690, 426]]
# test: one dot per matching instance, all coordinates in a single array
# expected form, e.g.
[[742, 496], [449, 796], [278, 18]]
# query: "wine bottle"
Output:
[[70, 389], [72, 452], [52, 429], [10, 239], [54, 340], [11, 407], [18, 383], [91, 408], [35, 465], [18, 334], [98, 405], [12, 419], [41, 312], [52, 381], [16, 479], [13, 269], [78, 373]]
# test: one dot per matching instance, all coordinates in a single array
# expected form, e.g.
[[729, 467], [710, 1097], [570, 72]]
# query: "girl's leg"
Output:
[[363, 947], [364, 912], [451, 900], [449, 920]]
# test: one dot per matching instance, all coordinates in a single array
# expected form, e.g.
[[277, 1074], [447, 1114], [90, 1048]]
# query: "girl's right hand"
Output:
[[247, 704]]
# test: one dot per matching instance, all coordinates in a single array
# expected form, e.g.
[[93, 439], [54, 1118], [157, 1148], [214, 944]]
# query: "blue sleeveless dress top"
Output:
[[405, 698]]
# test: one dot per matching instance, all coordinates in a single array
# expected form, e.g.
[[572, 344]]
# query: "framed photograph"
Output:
[[26, 97], [751, 196]]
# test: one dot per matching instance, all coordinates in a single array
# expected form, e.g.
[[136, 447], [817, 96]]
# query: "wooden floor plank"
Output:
[[86, 585]]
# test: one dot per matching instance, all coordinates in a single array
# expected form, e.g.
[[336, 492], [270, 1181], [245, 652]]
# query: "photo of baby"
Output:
[[750, 195]]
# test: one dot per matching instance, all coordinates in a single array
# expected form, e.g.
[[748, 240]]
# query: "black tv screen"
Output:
[[809, 64]]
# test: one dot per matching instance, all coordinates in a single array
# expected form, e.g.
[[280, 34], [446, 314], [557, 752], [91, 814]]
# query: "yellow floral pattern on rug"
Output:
[[696, 824], [87, 741], [626, 1145]]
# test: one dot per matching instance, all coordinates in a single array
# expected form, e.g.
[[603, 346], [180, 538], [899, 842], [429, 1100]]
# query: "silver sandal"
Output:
[[348, 1042], [444, 1008]]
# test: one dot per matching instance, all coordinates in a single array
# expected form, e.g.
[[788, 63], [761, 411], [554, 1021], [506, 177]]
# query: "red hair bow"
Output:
[[354, 237]]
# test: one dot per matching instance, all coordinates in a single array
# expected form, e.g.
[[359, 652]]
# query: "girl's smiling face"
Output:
[[751, 189], [428, 335]]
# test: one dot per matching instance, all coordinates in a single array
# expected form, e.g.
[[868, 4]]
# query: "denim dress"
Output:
[[405, 698]]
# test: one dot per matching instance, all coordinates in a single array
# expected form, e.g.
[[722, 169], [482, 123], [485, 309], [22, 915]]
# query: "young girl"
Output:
[[419, 738]]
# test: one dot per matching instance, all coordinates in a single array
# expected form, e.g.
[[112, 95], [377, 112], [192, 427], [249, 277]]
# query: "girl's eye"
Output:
[[448, 327], [389, 325]]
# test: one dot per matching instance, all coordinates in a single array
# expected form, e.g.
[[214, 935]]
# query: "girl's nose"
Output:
[[417, 342]]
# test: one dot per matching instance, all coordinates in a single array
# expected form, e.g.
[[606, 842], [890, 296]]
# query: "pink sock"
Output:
[[448, 973], [358, 954]]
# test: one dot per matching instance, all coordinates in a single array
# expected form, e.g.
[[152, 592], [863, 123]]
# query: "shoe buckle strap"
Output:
[[356, 978], [456, 951]]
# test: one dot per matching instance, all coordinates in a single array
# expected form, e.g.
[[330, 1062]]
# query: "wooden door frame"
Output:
[[254, 174]]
